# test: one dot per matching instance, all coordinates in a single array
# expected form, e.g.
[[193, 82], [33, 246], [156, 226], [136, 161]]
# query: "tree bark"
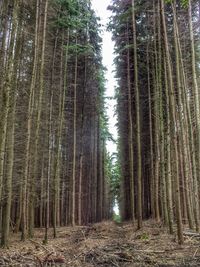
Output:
[[137, 100]]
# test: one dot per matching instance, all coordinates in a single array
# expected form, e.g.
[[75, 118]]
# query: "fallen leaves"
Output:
[[104, 245]]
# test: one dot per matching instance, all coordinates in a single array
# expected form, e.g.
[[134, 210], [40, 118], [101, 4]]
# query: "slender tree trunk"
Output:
[[168, 156], [81, 149], [130, 132], [38, 124], [137, 100], [4, 22], [196, 181], [42, 190], [50, 144], [150, 134], [63, 83], [156, 213], [29, 129], [10, 138], [74, 139], [6, 102], [160, 127]]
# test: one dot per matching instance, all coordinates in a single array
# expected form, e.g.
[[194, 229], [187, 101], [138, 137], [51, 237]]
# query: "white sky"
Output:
[[100, 6]]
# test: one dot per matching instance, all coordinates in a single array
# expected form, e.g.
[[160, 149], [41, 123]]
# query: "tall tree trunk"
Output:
[[151, 136], [50, 133], [29, 128], [168, 155], [197, 116], [10, 139], [74, 139], [81, 148], [156, 213], [38, 124], [6, 98], [130, 132], [63, 83], [137, 100]]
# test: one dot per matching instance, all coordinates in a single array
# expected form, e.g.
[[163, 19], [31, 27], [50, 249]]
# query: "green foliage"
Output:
[[73, 14], [81, 49], [82, 23], [117, 218], [114, 175], [68, 13], [184, 3], [105, 134], [168, 1], [144, 237]]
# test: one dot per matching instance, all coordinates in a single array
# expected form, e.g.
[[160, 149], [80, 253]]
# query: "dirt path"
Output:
[[104, 245]]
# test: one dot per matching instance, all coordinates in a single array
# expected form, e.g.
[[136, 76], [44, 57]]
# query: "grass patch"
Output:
[[117, 218]]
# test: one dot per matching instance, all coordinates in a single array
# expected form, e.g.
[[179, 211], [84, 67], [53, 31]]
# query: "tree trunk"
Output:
[[196, 180], [29, 129], [137, 100], [130, 132], [38, 124], [74, 140]]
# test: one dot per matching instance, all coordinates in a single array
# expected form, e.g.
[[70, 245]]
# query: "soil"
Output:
[[104, 245]]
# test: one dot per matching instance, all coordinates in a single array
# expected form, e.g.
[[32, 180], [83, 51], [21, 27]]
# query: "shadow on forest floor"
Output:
[[105, 245]]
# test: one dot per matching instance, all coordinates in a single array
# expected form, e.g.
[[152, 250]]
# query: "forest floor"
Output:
[[105, 245]]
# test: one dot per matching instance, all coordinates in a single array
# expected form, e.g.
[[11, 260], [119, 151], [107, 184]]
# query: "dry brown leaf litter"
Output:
[[105, 245]]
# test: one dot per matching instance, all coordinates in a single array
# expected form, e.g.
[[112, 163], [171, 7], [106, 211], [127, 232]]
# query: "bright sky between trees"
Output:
[[100, 6]]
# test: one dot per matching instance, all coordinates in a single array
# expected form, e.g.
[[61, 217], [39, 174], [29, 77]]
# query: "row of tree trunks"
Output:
[[156, 50], [47, 172]]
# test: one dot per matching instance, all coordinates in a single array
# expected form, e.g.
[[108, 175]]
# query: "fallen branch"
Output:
[[192, 234], [151, 251], [40, 245]]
